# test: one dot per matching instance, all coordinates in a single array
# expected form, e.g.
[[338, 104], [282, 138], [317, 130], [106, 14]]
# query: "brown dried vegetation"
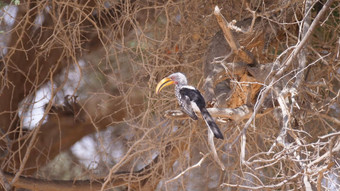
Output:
[[269, 70]]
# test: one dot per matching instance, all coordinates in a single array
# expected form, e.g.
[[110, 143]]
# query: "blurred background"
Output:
[[78, 102]]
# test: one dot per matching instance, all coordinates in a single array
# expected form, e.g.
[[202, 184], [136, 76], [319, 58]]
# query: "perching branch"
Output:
[[234, 114]]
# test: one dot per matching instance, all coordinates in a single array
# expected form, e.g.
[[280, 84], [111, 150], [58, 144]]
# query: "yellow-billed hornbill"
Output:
[[189, 97]]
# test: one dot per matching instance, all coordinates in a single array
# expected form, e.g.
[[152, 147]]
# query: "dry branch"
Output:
[[213, 149], [50, 141], [275, 75], [169, 37], [55, 185], [236, 114], [36, 57], [232, 41], [262, 187], [145, 179]]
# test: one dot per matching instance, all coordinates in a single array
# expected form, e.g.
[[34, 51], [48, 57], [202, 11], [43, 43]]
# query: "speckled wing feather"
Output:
[[186, 106]]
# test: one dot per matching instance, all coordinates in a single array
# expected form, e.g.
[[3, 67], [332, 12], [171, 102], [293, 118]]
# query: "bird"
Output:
[[189, 99]]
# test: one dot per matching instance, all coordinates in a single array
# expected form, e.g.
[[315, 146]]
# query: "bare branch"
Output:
[[235, 46], [237, 114], [213, 149], [273, 186]]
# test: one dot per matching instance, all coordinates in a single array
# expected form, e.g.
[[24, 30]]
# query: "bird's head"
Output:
[[175, 78]]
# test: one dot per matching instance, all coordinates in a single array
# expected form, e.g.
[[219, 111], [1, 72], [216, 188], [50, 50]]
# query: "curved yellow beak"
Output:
[[163, 83]]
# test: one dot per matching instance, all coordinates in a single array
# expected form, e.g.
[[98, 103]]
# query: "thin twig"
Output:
[[276, 74], [198, 164], [273, 186]]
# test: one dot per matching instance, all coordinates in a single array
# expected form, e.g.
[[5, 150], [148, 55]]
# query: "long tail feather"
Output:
[[211, 123]]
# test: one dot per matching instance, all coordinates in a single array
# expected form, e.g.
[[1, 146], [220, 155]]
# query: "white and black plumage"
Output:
[[189, 97]]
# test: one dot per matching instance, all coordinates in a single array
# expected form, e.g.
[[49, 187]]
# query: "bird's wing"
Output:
[[193, 95], [186, 106]]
